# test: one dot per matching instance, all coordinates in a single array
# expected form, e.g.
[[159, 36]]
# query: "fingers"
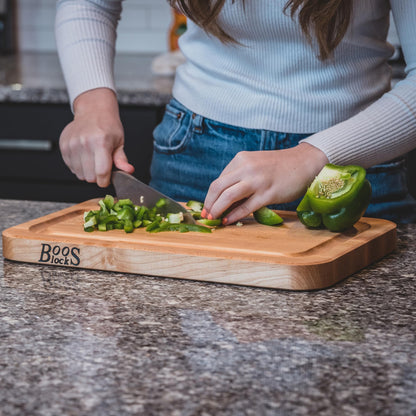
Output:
[[121, 162], [233, 194], [70, 154], [216, 189], [86, 163], [103, 164], [236, 202], [236, 190], [88, 157], [246, 184], [242, 210]]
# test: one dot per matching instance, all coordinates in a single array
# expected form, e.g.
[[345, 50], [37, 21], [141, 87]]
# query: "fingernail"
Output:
[[224, 221], [203, 213], [210, 217]]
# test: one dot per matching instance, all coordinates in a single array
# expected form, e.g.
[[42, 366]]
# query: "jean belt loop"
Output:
[[197, 121]]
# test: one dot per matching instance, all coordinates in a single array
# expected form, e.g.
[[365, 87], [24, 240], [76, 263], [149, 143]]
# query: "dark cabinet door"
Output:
[[411, 172]]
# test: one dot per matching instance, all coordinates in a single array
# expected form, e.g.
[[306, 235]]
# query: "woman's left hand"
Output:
[[256, 179]]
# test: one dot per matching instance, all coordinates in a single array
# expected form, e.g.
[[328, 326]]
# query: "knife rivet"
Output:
[[193, 116]]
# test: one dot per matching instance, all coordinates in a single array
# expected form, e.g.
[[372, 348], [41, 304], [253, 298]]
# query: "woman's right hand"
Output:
[[94, 140]]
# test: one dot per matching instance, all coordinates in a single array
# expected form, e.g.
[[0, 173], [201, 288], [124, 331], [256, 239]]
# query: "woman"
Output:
[[271, 91]]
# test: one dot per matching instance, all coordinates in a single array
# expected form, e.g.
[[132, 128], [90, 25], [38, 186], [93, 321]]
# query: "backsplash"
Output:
[[143, 27]]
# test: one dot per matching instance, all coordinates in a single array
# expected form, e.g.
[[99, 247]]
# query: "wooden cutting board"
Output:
[[289, 256]]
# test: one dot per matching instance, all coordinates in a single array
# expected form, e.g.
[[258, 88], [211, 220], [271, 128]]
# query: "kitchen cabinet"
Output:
[[411, 172], [31, 166]]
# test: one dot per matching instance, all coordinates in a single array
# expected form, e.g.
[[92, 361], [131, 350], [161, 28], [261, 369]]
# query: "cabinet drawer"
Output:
[[29, 136]]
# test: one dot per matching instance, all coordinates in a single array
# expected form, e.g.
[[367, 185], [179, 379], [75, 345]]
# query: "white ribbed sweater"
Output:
[[272, 80]]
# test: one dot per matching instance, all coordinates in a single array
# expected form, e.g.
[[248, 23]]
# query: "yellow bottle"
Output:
[[177, 28]]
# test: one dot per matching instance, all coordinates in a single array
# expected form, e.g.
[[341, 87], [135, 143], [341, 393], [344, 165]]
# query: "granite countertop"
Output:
[[37, 78], [77, 342]]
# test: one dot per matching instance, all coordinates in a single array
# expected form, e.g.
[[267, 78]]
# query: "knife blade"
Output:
[[127, 186]]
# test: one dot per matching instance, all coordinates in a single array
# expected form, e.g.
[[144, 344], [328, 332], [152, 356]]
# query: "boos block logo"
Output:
[[63, 256]]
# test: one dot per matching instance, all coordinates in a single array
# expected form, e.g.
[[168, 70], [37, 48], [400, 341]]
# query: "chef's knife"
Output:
[[127, 186]]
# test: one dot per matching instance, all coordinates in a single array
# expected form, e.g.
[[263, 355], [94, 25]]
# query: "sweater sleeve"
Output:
[[387, 128], [85, 33]]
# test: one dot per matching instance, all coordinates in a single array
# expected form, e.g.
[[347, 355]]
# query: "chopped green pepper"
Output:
[[195, 206], [211, 223], [174, 218], [128, 226], [161, 203], [124, 215], [155, 224], [108, 202], [336, 199], [267, 216], [181, 227]]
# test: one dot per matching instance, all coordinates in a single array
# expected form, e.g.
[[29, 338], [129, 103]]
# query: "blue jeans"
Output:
[[191, 151]]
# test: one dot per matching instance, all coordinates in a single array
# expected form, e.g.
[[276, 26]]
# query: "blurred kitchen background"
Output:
[[143, 27], [34, 106]]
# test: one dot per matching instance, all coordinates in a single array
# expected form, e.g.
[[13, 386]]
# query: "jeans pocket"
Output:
[[388, 181], [174, 131]]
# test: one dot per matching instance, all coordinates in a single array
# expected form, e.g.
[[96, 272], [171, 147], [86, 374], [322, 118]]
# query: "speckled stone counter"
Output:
[[81, 342], [37, 78]]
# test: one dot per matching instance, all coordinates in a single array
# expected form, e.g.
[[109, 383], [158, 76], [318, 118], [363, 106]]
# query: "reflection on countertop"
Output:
[[37, 78], [104, 343]]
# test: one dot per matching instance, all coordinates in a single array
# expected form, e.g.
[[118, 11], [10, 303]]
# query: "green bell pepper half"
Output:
[[336, 199]]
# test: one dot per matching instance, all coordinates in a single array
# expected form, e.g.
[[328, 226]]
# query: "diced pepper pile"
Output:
[[124, 215]]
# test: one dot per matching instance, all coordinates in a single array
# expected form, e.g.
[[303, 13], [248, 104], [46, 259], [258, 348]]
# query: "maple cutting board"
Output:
[[289, 256]]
